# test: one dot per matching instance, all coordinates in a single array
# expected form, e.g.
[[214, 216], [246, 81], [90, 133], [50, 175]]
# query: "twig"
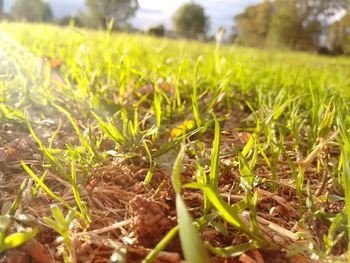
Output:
[[105, 229], [323, 184]]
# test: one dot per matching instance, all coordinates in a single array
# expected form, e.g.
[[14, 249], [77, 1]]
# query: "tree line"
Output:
[[189, 20], [292, 24], [295, 24]]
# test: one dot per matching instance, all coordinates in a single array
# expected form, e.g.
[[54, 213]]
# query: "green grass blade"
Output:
[[84, 212], [16, 239], [149, 175], [157, 104], [231, 251], [51, 158], [58, 215], [161, 245], [110, 130], [252, 140], [215, 155], [191, 243], [327, 122], [230, 214], [81, 137], [195, 107], [345, 155], [177, 169], [44, 187]]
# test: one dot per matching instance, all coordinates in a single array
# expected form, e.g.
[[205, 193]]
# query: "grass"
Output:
[[235, 152]]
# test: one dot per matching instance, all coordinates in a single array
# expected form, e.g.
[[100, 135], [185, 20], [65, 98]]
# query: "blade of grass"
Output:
[[82, 139], [17, 239], [54, 162], [110, 130], [191, 243], [44, 187], [230, 213], [161, 245], [345, 153], [83, 209], [231, 251], [195, 108], [215, 155], [149, 175]]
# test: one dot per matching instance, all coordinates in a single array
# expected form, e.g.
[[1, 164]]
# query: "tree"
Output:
[[190, 20], [295, 24], [100, 12], [47, 14], [291, 29], [319, 10], [299, 24], [1, 9], [338, 36], [252, 26], [30, 10], [157, 31]]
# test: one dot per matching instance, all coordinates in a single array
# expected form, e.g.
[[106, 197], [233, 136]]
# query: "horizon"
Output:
[[155, 12]]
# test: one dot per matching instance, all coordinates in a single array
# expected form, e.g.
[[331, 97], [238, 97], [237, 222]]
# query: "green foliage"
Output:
[[51, 158], [190, 20], [344, 159], [7, 218], [253, 24], [137, 103], [338, 37], [231, 251], [152, 165], [32, 10], [194, 98], [61, 224], [232, 214], [16, 239], [157, 31], [215, 156], [1, 9], [294, 24], [326, 123], [47, 14], [161, 245], [100, 12], [177, 169], [91, 151], [291, 29], [110, 130], [124, 133], [81, 205], [45, 187], [192, 247]]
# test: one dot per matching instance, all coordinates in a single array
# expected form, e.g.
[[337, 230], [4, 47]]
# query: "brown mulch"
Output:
[[129, 216]]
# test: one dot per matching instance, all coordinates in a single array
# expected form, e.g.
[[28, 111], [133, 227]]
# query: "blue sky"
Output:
[[153, 12]]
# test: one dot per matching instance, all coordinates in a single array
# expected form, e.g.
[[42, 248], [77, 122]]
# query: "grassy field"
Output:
[[128, 148]]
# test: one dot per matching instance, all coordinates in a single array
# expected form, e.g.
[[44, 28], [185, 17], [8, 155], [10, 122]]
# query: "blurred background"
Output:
[[321, 26]]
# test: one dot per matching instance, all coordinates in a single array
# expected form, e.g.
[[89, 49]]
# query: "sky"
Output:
[[154, 12], [220, 12]]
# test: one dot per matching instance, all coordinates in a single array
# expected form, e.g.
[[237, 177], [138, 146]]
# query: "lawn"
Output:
[[129, 148]]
